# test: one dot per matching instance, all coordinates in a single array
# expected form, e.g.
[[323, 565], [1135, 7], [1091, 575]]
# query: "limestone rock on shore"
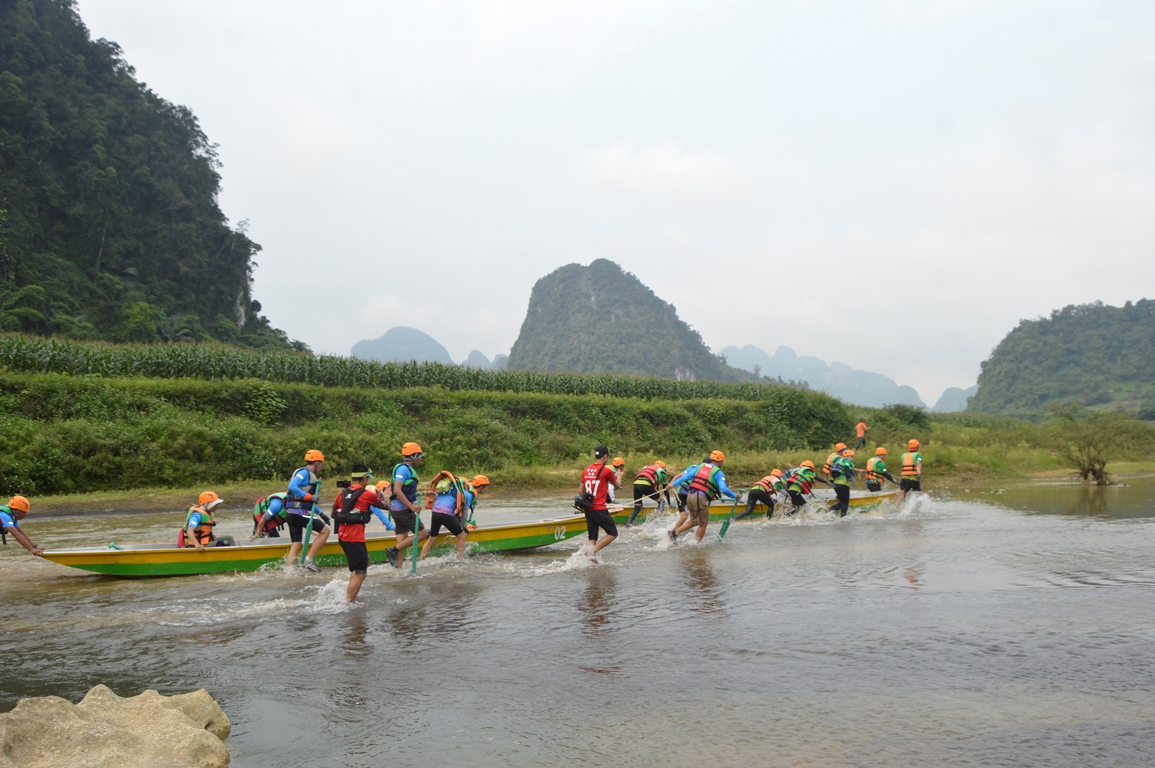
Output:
[[104, 730]]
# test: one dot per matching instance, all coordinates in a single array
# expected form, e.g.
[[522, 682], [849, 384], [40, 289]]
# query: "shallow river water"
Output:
[[1010, 628]]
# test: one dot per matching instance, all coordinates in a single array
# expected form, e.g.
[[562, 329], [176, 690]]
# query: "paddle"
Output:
[[726, 525], [309, 527]]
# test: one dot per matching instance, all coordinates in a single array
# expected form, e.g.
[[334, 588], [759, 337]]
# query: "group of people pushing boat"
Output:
[[450, 499], [700, 484]]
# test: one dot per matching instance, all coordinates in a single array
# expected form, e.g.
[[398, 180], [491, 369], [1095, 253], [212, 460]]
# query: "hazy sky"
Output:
[[887, 183]]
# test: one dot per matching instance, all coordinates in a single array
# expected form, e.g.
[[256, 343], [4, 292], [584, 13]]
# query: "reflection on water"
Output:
[[950, 632], [1129, 499]]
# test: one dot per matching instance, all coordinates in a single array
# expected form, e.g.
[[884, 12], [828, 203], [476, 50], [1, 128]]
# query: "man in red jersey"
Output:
[[596, 481]]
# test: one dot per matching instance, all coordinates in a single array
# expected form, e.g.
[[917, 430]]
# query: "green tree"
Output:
[[1089, 440]]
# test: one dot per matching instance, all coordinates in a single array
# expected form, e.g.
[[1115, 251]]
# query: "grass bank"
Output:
[[62, 434]]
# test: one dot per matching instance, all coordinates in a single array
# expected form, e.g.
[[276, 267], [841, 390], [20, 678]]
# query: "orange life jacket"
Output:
[[828, 466], [871, 476], [768, 483], [910, 464]]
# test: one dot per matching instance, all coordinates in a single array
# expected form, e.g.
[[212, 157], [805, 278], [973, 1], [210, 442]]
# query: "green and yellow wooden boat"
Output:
[[721, 511], [146, 560]]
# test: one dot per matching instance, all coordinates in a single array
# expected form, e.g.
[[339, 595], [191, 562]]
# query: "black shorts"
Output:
[[406, 521], [910, 485], [797, 499], [358, 556], [873, 487], [451, 523], [600, 518], [298, 523]]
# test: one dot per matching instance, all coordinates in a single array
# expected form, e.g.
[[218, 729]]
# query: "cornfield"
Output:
[[210, 362]]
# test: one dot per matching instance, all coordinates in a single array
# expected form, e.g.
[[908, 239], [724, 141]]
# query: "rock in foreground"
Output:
[[105, 730]]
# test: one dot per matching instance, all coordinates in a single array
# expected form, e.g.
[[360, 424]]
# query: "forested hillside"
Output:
[[1092, 353], [109, 223], [601, 319]]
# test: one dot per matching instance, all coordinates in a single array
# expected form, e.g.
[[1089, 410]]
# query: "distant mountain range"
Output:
[[602, 319], [872, 390]]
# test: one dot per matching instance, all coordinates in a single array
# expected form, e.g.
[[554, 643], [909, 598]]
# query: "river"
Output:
[[1007, 628]]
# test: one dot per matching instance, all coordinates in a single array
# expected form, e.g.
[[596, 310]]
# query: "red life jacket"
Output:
[[648, 474], [705, 481]]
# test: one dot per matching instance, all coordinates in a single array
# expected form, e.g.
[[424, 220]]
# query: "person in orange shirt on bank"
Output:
[[860, 428]]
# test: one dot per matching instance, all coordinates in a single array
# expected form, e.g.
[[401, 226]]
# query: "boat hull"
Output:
[[721, 511], [143, 561]]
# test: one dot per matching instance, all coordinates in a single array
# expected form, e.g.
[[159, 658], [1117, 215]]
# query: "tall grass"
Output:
[[32, 354]]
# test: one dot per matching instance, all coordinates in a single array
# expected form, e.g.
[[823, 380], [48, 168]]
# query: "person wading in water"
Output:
[[765, 491], [596, 481], [876, 470], [406, 513], [650, 483], [358, 504], [911, 471], [299, 503], [705, 485]]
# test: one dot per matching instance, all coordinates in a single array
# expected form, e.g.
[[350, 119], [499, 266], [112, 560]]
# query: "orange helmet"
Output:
[[807, 463], [19, 503], [848, 453], [912, 445], [717, 456], [313, 455], [660, 464], [840, 447], [208, 497], [384, 485], [412, 451], [880, 451], [776, 473], [479, 480], [619, 461]]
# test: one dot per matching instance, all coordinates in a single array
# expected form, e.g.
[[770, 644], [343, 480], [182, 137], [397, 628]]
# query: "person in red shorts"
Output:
[[358, 504], [596, 481]]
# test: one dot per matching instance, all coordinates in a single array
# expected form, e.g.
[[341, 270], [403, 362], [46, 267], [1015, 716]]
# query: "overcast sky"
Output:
[[888, 183]]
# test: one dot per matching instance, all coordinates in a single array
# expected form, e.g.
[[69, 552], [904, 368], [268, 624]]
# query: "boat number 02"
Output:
[[559, 532]]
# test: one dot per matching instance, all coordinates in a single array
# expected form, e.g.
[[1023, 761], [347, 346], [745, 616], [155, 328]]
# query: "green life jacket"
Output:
[[705, 481], [409, 489], [262, 505], [4, 531], [842, 471]]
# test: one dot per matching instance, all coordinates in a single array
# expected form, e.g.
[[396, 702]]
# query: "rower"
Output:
[[11, 514], [828, 467], [199, 522], [682, 489], [800, 482], [478, 485], [911, 470], [453, 502], [707, 484], [619, 467], [842, 470], [269, 515], [403, 507], [650, 483], [765, 491], [300, 503], [876, 470]]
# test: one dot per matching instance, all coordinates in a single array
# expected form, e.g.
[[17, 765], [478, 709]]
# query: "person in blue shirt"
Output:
[[451, 508], [299, 502], [10, 516], [406, 513], [681, 484], [707, 483]]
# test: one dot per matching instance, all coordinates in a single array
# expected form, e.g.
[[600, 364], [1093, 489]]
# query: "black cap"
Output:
[[601, 451]]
